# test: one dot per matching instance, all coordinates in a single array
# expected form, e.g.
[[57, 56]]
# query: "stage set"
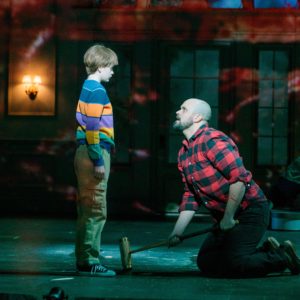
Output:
[[38, 255], [240, 56]]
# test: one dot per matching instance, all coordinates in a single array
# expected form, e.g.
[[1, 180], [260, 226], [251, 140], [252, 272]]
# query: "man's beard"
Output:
[[178, 125]]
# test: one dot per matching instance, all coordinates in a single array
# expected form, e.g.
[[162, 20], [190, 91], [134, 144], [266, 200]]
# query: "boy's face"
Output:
[[106, 73]]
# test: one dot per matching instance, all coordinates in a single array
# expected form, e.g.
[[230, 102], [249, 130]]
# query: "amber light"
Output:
[[31, 85]]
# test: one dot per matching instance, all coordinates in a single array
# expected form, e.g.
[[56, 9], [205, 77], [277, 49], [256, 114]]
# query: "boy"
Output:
[[95, 139]]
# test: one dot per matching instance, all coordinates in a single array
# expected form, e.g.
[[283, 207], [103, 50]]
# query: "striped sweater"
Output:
[[94, 116]]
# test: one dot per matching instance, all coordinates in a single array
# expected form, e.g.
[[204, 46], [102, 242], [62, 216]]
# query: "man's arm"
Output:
[[182, 222], [223, 154], [236, 194]]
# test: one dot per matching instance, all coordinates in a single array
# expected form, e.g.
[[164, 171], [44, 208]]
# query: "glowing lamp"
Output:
[[31, 85]]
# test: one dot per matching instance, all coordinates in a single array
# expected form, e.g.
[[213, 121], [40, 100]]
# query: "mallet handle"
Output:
[[150, 246], [183, 237], [199, 232]]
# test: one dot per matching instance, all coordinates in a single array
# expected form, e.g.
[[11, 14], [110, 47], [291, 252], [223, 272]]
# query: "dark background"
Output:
[[244, 61]]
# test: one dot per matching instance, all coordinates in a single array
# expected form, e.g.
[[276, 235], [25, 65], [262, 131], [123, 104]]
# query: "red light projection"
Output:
[[137, 205], [140, 154], [294, 81], [41, 19], [34, 22]]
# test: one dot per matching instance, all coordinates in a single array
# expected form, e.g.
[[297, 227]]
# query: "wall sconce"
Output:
[[31, 85]]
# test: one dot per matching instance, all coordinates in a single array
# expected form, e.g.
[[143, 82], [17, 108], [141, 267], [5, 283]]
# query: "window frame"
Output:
[[273, 48]]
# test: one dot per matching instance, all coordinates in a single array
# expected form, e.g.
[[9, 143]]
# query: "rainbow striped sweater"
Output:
[[94, 116]]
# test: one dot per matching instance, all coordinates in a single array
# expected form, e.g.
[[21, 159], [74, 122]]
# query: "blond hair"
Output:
[[99, 56]]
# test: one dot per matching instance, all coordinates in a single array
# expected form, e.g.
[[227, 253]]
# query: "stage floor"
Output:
[[38, 254]]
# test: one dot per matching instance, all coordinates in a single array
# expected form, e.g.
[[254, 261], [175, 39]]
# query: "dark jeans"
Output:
[[235, 253]]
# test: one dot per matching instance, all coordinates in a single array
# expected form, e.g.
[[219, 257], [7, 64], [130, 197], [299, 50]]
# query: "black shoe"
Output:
[[271, 244], [293, 261], [95, 270]]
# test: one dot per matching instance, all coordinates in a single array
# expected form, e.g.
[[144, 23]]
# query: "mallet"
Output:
[[125, 251]]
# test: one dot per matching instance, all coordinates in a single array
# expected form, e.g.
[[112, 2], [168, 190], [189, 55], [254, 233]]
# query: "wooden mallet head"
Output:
[[125, 253]]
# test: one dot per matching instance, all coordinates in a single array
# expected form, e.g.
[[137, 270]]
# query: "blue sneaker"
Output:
[[96, 270]]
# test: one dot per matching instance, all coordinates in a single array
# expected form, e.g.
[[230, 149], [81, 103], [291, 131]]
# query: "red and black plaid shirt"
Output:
[[209, 163]]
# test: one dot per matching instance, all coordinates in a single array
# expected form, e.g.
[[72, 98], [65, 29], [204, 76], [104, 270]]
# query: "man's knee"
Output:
[[217, 265], [206, 263]]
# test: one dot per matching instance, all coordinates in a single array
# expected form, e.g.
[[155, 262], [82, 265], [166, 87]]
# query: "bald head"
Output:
[[192, 114], [200, 107]]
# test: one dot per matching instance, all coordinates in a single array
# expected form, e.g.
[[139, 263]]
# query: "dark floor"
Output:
[[38, 254]]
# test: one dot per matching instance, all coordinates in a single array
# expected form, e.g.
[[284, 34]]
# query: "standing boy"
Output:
[[95, 139]]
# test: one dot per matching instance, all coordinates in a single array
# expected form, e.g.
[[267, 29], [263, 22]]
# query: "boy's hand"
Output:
[[99, 172]]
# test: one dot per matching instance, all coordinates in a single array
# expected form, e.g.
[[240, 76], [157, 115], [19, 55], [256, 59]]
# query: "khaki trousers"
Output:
[[91, 206]]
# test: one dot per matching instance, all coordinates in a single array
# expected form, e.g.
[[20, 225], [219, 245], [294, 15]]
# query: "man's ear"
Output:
[[197, 118]]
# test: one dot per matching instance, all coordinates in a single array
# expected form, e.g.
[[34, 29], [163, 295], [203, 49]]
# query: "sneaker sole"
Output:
[[294, 261], [106, 274]]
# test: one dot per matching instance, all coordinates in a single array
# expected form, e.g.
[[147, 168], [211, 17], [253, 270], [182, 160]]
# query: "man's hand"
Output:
[[235, 196], [227, 224], [99, 172], [183, 220], [174, 240]]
